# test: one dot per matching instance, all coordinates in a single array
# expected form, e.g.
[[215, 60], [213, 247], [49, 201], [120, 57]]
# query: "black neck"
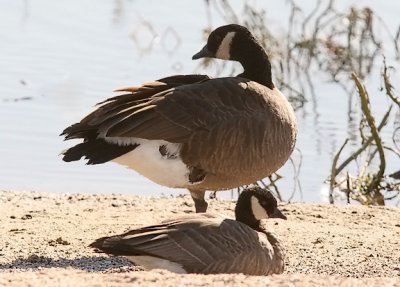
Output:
[[250, 221], [243, 211], [256, 64]]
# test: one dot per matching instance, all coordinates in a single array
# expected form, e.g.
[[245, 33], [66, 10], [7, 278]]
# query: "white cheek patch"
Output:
[[224, 49], [258, 211]]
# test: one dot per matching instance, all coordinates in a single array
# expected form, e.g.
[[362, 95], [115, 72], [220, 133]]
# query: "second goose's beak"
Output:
[[278, 214], [204, 53]]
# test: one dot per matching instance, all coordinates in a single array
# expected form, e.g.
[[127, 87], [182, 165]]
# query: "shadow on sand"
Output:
[[89, 263]]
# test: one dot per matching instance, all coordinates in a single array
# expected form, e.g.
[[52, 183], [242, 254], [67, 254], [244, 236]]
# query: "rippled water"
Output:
[[58, 58]]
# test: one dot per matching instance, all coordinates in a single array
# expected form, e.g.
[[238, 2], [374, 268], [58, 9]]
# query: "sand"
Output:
[[44, 238]]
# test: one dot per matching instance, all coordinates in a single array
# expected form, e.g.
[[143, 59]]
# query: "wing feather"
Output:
[[195, 243], [186, 110], [171, 110]]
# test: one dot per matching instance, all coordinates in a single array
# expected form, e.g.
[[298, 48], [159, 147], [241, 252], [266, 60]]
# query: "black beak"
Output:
[[204, 53], [278, 214]]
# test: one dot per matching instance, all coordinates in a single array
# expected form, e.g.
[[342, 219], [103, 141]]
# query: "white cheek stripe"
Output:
[[258, 211], [224, 49]]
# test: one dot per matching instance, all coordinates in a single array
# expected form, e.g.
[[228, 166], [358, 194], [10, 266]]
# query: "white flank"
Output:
[[150, 262], [224, 49], [147, 160], [258, 211]]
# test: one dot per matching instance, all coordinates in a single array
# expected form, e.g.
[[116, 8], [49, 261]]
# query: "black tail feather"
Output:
[[96, 151], [80, 130], [98, 244], [114, 245]]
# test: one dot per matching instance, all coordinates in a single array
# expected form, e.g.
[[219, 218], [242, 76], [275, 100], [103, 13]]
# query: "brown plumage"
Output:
[[206, 243], [210, 134]]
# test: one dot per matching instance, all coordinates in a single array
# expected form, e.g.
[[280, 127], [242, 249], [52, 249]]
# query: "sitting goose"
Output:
[[206, 243], [194, 132]]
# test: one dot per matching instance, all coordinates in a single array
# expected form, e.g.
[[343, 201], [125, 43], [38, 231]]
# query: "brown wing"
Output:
[[167, 111], [175, 114], [115, 109]]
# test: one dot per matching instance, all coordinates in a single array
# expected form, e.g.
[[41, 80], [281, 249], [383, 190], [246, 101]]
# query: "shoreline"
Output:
[[44, 239]]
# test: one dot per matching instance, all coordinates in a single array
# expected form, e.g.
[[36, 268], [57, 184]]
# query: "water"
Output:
[[58, 58]]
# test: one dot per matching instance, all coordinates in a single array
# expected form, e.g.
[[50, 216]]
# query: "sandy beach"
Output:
[[44, 239]]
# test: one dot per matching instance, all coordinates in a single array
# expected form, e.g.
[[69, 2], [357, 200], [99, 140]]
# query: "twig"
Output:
[[366, 143], [296, 179], [394, 138], [388, 85], [393, 150], [365, 104], [349, 185], [334, 172]]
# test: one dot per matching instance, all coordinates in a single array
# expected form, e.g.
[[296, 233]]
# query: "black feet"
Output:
[[200, 205]]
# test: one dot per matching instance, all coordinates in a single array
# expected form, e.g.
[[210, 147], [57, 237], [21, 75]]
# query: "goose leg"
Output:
[[199, 202]]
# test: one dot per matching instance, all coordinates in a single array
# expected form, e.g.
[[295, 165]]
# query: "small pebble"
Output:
[[26, 216]]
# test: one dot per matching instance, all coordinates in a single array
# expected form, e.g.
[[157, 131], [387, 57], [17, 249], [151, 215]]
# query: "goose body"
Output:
[[206, 243], [192, 131]]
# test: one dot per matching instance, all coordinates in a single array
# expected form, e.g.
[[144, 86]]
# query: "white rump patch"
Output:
[[258, 211], [150, 262], [224, 49], [147, 160], [121, 141]]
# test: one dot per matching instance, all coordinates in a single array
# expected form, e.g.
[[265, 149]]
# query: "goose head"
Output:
[[225, 43], [235, 42], [255, 204]]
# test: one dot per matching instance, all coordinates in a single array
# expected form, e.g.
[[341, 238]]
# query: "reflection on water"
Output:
[[55, 66]]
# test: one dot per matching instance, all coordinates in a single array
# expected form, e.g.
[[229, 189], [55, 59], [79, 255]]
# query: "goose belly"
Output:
[[150, 262], [148, 160]]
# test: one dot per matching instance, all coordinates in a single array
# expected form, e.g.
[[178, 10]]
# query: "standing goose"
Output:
[[192, 131], [206, 243]]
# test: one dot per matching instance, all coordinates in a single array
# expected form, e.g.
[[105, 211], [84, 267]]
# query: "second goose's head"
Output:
[[255, 204]]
